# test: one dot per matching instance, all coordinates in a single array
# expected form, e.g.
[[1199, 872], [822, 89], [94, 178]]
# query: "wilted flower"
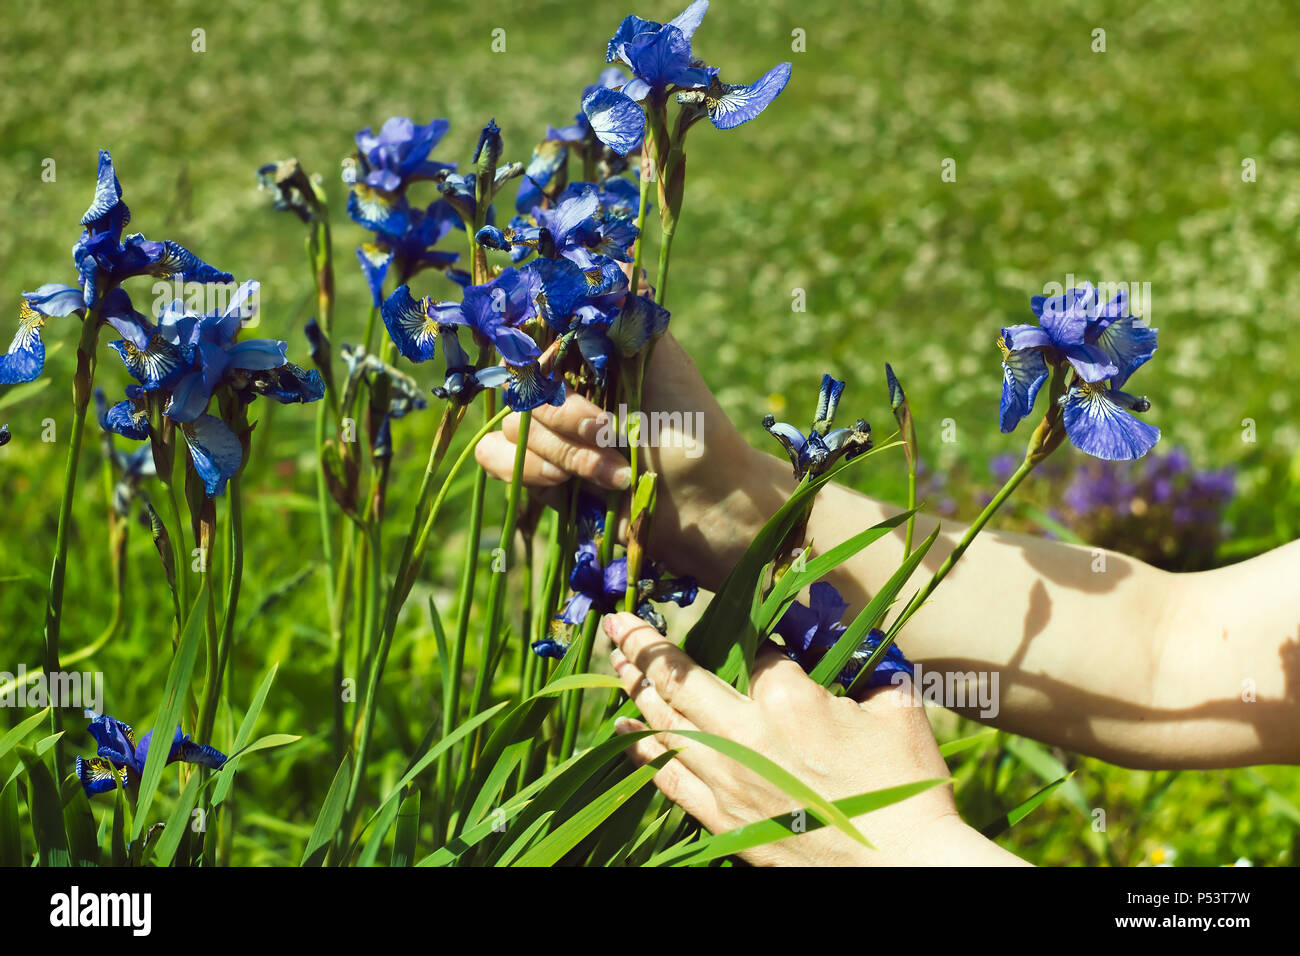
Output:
[[821, 448]]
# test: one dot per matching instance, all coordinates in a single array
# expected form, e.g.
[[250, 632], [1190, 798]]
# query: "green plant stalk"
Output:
[[234, 580], [83, 385], [464, 600], [414, 549], [496, 585], [1046, 438]]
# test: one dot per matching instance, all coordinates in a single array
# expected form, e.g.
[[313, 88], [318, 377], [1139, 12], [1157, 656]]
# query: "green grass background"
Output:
[[1123, 166]]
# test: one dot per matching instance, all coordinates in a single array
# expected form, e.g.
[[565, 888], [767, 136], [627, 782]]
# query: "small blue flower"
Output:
[[816, 452], [121, 760], [215, 451], [603, 588], [809, 631]]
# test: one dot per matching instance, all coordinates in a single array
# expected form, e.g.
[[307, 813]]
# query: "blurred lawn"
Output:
[[1119, 166]]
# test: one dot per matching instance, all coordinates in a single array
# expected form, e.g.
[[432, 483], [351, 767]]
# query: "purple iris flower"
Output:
[[121, 760], [809, 631], [104, 259], [399, 154], [1103, 344], [602, 588]]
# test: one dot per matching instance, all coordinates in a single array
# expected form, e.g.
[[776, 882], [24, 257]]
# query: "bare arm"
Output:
[[1093, 651]]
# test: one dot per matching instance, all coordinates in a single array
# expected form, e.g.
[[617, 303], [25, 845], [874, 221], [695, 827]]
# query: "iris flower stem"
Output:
[[464, 601], [234, 580], [635, 282], [408, 567], [496, 585], [82, 388]]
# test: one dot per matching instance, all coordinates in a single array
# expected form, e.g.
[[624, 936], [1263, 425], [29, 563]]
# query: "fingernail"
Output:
[[589, 430], [613, 627], [622, 479], [622, 726]]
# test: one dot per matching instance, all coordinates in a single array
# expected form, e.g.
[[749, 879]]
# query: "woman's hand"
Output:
[[714, 491], [837, 746]]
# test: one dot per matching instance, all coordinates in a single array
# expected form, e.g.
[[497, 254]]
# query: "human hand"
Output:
[[836, 745], [714, 490]]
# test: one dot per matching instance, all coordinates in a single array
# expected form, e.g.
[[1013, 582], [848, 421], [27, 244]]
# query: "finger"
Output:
[[605, 467], [577, 418], [691, 690], [675, 780], [654, 708], [496, 454]]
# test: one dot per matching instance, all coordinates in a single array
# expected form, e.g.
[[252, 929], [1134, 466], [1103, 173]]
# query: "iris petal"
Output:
[[1023, 373], [1097, 423], [413, 330], [740, 104], [616, 119], [215, 451], [1128, 343]]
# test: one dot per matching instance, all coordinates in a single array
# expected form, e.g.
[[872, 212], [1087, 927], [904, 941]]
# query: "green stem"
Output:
[[496, 585], [82, 389]]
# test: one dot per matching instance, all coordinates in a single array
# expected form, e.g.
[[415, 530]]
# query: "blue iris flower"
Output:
[[399, 154], [403, 235], [1103, 345], [104, 259], [814, 453], [602, 588], [121, 760], [659, 54], [809, 631], [187, 357]]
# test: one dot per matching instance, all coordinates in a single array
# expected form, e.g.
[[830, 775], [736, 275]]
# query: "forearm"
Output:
[[1086, 649]]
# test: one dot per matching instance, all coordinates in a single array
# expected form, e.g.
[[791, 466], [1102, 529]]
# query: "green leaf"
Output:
[[178, 823], [227, 776], [562, 783], [448, 741], [408, 828], [780, 827], [42, 748], [14, 736], [965, 743], [1050, 770], [169, 711], [331, 816], [11, 840], [833, 661], [571, 832], [79, 824], [795, 581], [46, 812], [388, 814], [1017, 813]]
